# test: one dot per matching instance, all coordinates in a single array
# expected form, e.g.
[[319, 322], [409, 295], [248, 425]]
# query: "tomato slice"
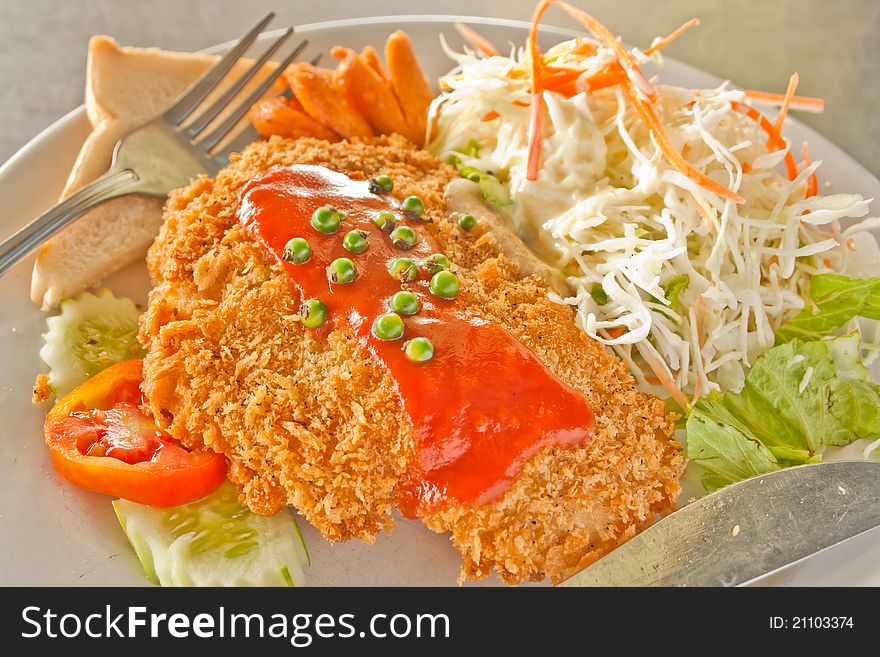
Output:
[[100, 439]]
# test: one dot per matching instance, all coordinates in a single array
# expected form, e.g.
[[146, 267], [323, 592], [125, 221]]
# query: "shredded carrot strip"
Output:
[[746, 167], [645, 110], [665, 380], [827, 262], [783, 111], [803, 103], [812, 181], [665, 41], [685, 150], [536, 123], [490, 116], [604, 35], [521, 103], [476, 40], [775, 140], [851, 244], [607, 77]]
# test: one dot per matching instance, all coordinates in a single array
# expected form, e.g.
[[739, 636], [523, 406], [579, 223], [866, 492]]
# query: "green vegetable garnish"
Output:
[[798, 399], [673, 289], [444, 284], [419, 350], [471, 173], [494, 191], [404, 237], [467, 222], [403, 269], [599, 295], [404, 303], [413, 205], [471, 149], [341, 271], [327, 219], [385, 220], [297, 251], [355, 241], [836, 299], [388, 327], [435, 262], [313, 313]]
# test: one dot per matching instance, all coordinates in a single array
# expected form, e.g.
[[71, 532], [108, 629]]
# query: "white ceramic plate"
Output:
[[52, 533]]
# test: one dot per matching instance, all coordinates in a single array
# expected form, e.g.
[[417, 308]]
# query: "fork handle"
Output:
[[109, 186]]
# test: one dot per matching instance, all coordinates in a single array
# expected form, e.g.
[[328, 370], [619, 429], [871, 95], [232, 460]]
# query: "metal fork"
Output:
[[169, 151]]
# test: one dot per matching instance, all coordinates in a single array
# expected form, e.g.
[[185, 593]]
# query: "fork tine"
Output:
[[198, 90], [214, 137], [205, 118], [242, 139], [317, 58]]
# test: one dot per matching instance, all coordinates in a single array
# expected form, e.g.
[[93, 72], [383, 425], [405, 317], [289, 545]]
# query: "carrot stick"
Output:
[[665, 41], [775, 139], [537, 118], [476, 40], [410, 84], [324, 102], [802, 103], [373, 97], [372, 58], [812, 181], [276, 116], [783, 111]]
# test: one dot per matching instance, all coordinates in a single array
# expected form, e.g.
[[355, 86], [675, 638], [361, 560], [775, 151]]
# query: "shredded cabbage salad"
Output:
[[686, 286]]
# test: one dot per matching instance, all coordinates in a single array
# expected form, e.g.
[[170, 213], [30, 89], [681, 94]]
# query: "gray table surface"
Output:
[[834, 46]]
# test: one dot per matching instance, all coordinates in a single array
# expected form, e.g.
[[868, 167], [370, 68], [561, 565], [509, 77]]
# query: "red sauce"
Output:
[[482, 406]]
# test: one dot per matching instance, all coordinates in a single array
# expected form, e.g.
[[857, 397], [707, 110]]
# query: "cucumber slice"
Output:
[[92, 332], [215, 542]]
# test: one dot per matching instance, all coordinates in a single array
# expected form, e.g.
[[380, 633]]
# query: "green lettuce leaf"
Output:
[[799, 398], [836, 299]]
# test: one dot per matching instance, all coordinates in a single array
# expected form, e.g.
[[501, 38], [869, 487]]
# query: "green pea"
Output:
[[435, 262], [355, 241], [388, 327], [404, 237], [414, 205], [467, 222], [341, 271], [313, 313], [385, 220], [403, 269], [419, 350], [404, 303], [385, 183], [297, 251], [327, 219], [444, 284]]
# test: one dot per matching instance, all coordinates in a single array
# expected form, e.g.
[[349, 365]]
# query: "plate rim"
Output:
[[77, 114]]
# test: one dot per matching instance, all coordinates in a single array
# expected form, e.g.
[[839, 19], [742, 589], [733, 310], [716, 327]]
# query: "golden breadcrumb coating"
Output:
[[316, 424]]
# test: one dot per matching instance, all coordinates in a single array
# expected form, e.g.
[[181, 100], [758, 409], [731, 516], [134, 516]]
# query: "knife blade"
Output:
[[747, 530]]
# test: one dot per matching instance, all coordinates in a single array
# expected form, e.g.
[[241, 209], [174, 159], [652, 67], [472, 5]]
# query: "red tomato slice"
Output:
[[100, 439]]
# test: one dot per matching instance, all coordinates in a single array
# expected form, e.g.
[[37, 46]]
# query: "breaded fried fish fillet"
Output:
[[316, 423]]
